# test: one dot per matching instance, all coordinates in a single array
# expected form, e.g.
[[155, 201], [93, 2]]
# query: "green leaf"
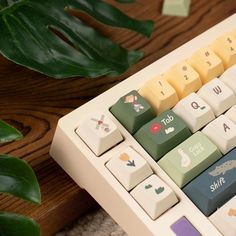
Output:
[[16, 225], [110, 15], [27, 38], [18, 178], [8, 133]]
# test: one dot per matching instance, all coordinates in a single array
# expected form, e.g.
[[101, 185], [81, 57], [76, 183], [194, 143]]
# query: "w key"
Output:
[[218, 96]]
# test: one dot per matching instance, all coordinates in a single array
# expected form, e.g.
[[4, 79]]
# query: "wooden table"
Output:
[[33, 103]]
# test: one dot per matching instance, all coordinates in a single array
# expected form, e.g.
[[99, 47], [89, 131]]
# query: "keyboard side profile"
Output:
[[93, 170]]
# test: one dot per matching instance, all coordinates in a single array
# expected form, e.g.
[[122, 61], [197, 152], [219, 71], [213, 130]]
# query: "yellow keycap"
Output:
[[207, 64], [160, 94], [225, 48], [183, 78]]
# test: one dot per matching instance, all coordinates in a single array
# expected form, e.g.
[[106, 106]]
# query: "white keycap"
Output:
[[229, 78], [194, 111], [231, 114], [129, 167], [218, 96], [154, 196], [99, 133], [222, 132], [225, 218]]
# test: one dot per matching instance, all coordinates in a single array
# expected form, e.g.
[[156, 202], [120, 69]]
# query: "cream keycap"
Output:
[[159, 93], [222, 132], [219, 96], [99, 132], [183, 78], [225, 218], [207, 64], [225, 48], [129, 167], [194, 111], [154, 196], [229, 78], [231, 114]]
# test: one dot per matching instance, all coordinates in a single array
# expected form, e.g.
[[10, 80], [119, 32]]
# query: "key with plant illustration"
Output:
[[154, 196]]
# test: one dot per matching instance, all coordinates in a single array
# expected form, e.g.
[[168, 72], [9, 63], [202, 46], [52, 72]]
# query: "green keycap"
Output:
[[132, 111], [176, 7], [162, 134], [190, 158]]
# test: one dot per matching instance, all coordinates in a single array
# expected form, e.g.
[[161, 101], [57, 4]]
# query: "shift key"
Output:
[[215, 186]]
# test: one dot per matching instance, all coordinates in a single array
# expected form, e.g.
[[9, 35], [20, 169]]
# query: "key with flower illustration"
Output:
[[133, 111], [125, 157], [225, 218], [162, 134], [154, 196], [129, 167]]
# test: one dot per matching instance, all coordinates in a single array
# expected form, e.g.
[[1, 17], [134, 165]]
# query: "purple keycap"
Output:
[[183, 227]]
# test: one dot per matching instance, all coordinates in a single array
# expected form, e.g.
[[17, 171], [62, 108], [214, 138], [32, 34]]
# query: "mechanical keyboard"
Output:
[[158, 150]]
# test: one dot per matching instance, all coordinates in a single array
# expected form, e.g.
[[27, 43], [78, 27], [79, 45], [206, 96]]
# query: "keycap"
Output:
[[183, 78], [225, 218], [222, 132], [207, 64], [99, 132], [218, 96], [231, 114], [154, 196], [215, 186], [176, 8], [159, 93], [162, 134], [195, 112], [129, 167], [132, 111], [225, 48], [229, 78], [190, 158], [183, 227]]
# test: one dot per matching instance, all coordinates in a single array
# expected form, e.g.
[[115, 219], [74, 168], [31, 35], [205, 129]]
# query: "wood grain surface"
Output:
[[33, 103]]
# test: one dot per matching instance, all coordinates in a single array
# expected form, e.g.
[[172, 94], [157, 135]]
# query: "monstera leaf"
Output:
[[15, 225], [17, 178], [27, 29], [8, 133]]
